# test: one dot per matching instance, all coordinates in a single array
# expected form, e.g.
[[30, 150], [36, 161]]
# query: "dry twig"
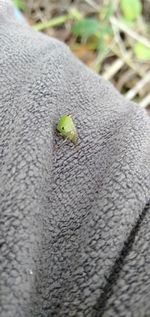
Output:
[[145, 102], [140, 84], [113, 69], [130, 32]]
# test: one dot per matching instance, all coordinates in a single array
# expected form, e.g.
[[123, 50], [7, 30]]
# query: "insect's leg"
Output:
[[57, 146], [64, 141]]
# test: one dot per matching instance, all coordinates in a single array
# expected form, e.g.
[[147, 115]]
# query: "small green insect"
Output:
[[67, 129]]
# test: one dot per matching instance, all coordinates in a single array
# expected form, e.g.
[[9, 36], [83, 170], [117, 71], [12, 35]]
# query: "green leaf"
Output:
[[19, 4], [106, 30], [86, 27], [131, 9], [141, 52]]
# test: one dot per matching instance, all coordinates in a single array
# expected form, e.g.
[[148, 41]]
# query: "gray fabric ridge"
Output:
[[67, 211], [124, 282]]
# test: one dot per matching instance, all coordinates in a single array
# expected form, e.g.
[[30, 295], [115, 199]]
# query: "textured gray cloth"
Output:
[[74, 224]]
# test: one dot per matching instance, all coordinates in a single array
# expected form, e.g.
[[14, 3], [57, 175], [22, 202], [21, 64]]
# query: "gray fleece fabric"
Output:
[[74, 219]]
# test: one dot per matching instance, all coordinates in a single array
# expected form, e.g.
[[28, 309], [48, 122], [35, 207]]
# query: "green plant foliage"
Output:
[[86, 27], [89, 28], [19, 4], [104, 32], [75, 14], [107, 11], [141, 52], [131, 9]]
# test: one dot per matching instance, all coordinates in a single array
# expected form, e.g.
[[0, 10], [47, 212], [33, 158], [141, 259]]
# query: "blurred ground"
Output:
[[111, 37]]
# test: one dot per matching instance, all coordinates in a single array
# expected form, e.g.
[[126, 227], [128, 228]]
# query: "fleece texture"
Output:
[[74, 219]]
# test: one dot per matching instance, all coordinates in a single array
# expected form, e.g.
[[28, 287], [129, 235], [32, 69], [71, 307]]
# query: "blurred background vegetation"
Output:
[[112, 37]]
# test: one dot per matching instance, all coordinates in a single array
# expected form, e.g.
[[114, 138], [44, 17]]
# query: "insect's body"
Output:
[[67, 129]]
